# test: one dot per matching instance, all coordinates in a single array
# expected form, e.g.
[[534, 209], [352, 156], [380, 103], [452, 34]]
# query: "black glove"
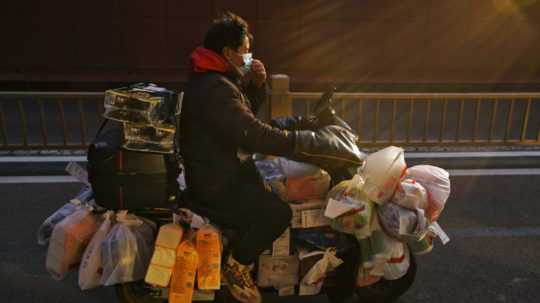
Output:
[[296, 123], [331, 147]]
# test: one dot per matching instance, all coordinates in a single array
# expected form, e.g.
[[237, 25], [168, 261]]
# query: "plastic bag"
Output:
[[68, 241], [399, 262], [148, 139], [436, 181], [293, 181], [91, 268], [46, 228], [127, 249], [291, 168], [313, 280], [411, 194], [382, 172], [402, 223], [349, 208], [142, 104]]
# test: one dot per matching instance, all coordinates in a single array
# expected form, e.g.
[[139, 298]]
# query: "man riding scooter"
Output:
[[218, 127]]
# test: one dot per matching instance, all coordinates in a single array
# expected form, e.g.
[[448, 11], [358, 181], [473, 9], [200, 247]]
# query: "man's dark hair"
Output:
[[227, 30]]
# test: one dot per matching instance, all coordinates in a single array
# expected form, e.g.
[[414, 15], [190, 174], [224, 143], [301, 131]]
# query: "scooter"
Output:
[[339, 285]]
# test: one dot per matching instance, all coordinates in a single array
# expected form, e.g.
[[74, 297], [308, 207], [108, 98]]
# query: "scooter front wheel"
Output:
[[384, 291]]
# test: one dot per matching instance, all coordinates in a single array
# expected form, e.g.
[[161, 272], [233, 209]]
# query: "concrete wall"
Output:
[[347, 41]]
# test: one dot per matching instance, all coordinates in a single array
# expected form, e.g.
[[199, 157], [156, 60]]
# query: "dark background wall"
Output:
[[360, 44]]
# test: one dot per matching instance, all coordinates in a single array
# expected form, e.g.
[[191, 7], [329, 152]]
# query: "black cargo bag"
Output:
[[132, 180]]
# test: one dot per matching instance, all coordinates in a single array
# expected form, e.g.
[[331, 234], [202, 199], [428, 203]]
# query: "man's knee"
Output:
[[283, 214]]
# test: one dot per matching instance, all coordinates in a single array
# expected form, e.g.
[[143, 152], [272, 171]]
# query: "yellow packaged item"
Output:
[[183, 275], [208, 244], [162, 262]]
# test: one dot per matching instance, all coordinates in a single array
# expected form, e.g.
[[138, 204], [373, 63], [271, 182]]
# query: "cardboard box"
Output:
[[281, 246], [278, 272], [309, 214]]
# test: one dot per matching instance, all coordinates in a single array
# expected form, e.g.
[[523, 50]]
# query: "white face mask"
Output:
[[248, 59]]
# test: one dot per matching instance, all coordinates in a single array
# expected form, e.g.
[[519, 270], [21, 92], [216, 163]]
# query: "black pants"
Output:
[[257, 216]]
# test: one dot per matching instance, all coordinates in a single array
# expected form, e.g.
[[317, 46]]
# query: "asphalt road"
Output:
[[494, 223]]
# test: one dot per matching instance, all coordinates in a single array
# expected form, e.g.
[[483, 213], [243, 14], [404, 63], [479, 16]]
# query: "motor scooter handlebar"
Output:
[[325, 113]]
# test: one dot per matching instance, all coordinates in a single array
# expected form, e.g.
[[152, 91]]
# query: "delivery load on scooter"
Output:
[[411, 194], [68, 241], [148, 138], [309, 214], [91, 267], [161, 265], [142, 104], [402, 223], [293, 181], [277, 271], [349, 208], [127, 249], [46, 228], [436, 181], [382, 172], [183, 275], [209, 248], [313, 280]]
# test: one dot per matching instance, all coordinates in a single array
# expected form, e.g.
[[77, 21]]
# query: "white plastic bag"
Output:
[[127, 249], [411, 194], [402, 223], [292, 168], [382, 172], [313, 280], [436, 181], [68, 241], [399, 262], [47, 227], [349, 208], [91, 268]]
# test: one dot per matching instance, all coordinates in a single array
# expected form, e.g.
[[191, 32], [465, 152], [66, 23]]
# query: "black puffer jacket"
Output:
[[218, 120]]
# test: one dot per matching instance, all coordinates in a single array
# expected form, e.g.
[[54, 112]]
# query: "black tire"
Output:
[[384, 291], [140, 292]]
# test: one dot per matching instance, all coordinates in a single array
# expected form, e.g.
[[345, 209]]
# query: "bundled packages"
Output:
[[208, 246], [142, 104], [183, 275], [148, 116], [90, 270], [68, 241], [162, 262], [127, 249]]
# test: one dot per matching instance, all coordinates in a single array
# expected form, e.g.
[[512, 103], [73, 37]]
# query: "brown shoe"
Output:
[[239, 281]]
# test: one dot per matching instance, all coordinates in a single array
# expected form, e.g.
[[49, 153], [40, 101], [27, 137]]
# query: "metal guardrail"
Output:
[[415, 119], [67, 120], [26, 122]]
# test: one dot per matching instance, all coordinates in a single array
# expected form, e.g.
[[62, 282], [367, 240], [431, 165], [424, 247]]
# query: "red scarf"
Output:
[[205, 60]]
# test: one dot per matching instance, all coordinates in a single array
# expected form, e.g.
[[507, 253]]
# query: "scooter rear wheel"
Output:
[[384, 291]]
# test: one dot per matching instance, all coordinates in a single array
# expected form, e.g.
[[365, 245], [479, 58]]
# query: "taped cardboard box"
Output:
[[282, 245], [309, 214], [278, 271]]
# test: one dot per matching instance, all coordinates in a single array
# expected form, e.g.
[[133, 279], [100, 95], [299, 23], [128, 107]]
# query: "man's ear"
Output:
[[227, 52]]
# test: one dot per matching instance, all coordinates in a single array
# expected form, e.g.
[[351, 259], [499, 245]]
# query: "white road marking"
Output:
[[510, 154], [495, 172], [483, 232], [37, 179], [16, 159]]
